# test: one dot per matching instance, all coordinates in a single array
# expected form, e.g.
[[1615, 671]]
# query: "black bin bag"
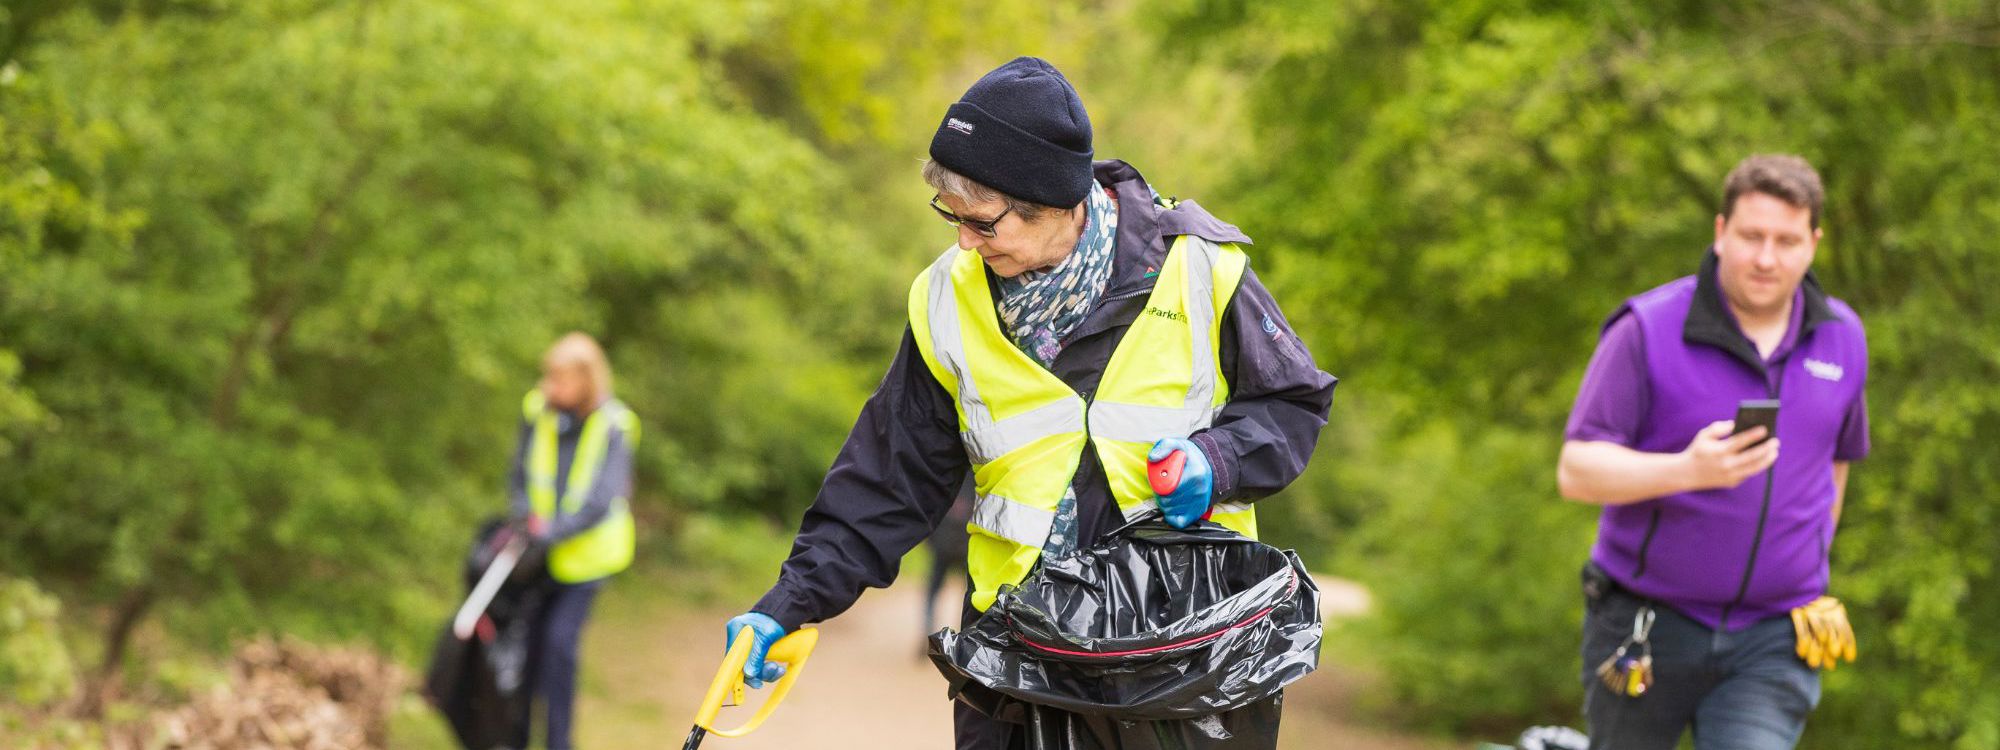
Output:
[[480, 684], [1155, 637]]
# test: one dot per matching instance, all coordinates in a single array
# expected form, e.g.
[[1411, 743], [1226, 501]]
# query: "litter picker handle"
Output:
[[791, 651], [467, 619], [1165, 474]]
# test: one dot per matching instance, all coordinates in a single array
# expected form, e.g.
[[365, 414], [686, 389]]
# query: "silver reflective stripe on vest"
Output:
[[1013, 520], [1137, 423], [985, 438], [990, 443], [1200, 305], [948, 344], [614, 413]]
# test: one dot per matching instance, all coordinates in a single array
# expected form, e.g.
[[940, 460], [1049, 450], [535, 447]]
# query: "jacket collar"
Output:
[[1709, 321], [1146, 228]]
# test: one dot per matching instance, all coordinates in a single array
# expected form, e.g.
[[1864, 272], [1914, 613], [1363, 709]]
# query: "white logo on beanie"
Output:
[[958, 125]]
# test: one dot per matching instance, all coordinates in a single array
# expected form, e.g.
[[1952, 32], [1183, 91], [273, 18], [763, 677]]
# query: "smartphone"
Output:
[[1757, 412]]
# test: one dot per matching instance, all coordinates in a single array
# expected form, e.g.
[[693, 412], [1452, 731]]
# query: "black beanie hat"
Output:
[[1020, 130]]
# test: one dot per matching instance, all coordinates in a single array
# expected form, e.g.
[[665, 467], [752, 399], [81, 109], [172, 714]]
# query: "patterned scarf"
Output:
[[1039, 308]]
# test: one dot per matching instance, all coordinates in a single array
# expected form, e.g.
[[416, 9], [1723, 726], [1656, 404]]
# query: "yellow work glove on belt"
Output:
[[1825, 638]]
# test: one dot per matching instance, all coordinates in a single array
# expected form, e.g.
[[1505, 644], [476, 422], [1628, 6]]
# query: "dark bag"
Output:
[[1154, 637], [480, 684]]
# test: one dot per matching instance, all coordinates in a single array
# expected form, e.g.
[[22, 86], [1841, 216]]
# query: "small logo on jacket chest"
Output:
[[1824, 370], [1168, 314]]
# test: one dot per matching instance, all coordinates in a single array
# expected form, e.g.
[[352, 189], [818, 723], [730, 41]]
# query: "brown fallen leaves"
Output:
[[282, 695]]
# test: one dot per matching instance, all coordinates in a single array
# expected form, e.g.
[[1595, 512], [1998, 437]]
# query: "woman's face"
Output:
[[1017, 244], [566, 386]]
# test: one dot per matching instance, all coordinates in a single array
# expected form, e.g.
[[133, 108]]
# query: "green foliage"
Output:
[[278, 274], [1453, 196], [35, 668], [719, 561], [1480, 629]]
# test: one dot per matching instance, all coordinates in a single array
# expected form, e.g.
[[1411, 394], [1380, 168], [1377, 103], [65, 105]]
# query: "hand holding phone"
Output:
[[1757, 412], [1723, 454]]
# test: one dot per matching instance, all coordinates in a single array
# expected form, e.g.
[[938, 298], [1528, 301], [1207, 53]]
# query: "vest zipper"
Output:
[[1647, 543], [1826, 582], [1763, 513]]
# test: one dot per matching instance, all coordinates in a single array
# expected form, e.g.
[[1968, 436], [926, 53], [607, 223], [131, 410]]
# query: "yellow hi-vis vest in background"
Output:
[[1025, 430], [605, 548]]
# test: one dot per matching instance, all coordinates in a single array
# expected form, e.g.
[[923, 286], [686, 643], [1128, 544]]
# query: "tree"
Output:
[[1466, 189], [277, 274]]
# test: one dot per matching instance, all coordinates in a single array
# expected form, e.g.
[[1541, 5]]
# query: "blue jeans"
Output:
[[552, 659], [1742, 690]]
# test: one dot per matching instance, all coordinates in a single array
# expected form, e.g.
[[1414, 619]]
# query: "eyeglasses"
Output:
[[983, 227]]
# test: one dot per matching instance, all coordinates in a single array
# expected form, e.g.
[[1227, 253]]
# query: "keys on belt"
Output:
[[1629, 670]]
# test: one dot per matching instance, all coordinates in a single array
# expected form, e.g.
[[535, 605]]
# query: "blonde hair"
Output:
[[578, 349]]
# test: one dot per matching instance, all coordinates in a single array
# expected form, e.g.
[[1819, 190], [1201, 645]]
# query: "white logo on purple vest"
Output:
[[1824, 370], [958, 125]]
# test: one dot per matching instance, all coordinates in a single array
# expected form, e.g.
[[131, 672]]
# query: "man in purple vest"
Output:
[[1709, 540]]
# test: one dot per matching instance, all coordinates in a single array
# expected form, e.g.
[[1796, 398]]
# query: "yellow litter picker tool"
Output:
[[728, 689]]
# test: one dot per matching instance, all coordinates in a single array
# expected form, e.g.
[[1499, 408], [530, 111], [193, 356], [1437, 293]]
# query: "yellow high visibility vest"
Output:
[[605, 548], [1025, 430]]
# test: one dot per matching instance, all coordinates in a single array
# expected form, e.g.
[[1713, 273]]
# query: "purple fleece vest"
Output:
[[1732, 557]]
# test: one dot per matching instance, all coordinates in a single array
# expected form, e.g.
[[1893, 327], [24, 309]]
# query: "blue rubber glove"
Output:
[[766, 631], [1189, 499]]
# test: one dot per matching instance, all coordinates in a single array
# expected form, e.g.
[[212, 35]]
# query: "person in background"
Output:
[[570, 485], [1705, 593]]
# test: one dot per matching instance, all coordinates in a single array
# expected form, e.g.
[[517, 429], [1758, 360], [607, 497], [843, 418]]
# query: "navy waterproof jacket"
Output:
[[895, 477]]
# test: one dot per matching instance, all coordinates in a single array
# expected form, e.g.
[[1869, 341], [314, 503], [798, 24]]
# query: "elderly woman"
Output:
[[1080, 325], [571, 478]]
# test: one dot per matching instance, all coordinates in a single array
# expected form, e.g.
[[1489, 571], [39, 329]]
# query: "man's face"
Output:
[[1017, 245], [1763, 251]]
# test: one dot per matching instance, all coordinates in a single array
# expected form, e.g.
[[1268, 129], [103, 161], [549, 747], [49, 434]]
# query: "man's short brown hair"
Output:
[[1783, 176]]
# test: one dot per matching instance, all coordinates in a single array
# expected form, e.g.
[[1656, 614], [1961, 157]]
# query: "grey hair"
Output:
[[959, 186]]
